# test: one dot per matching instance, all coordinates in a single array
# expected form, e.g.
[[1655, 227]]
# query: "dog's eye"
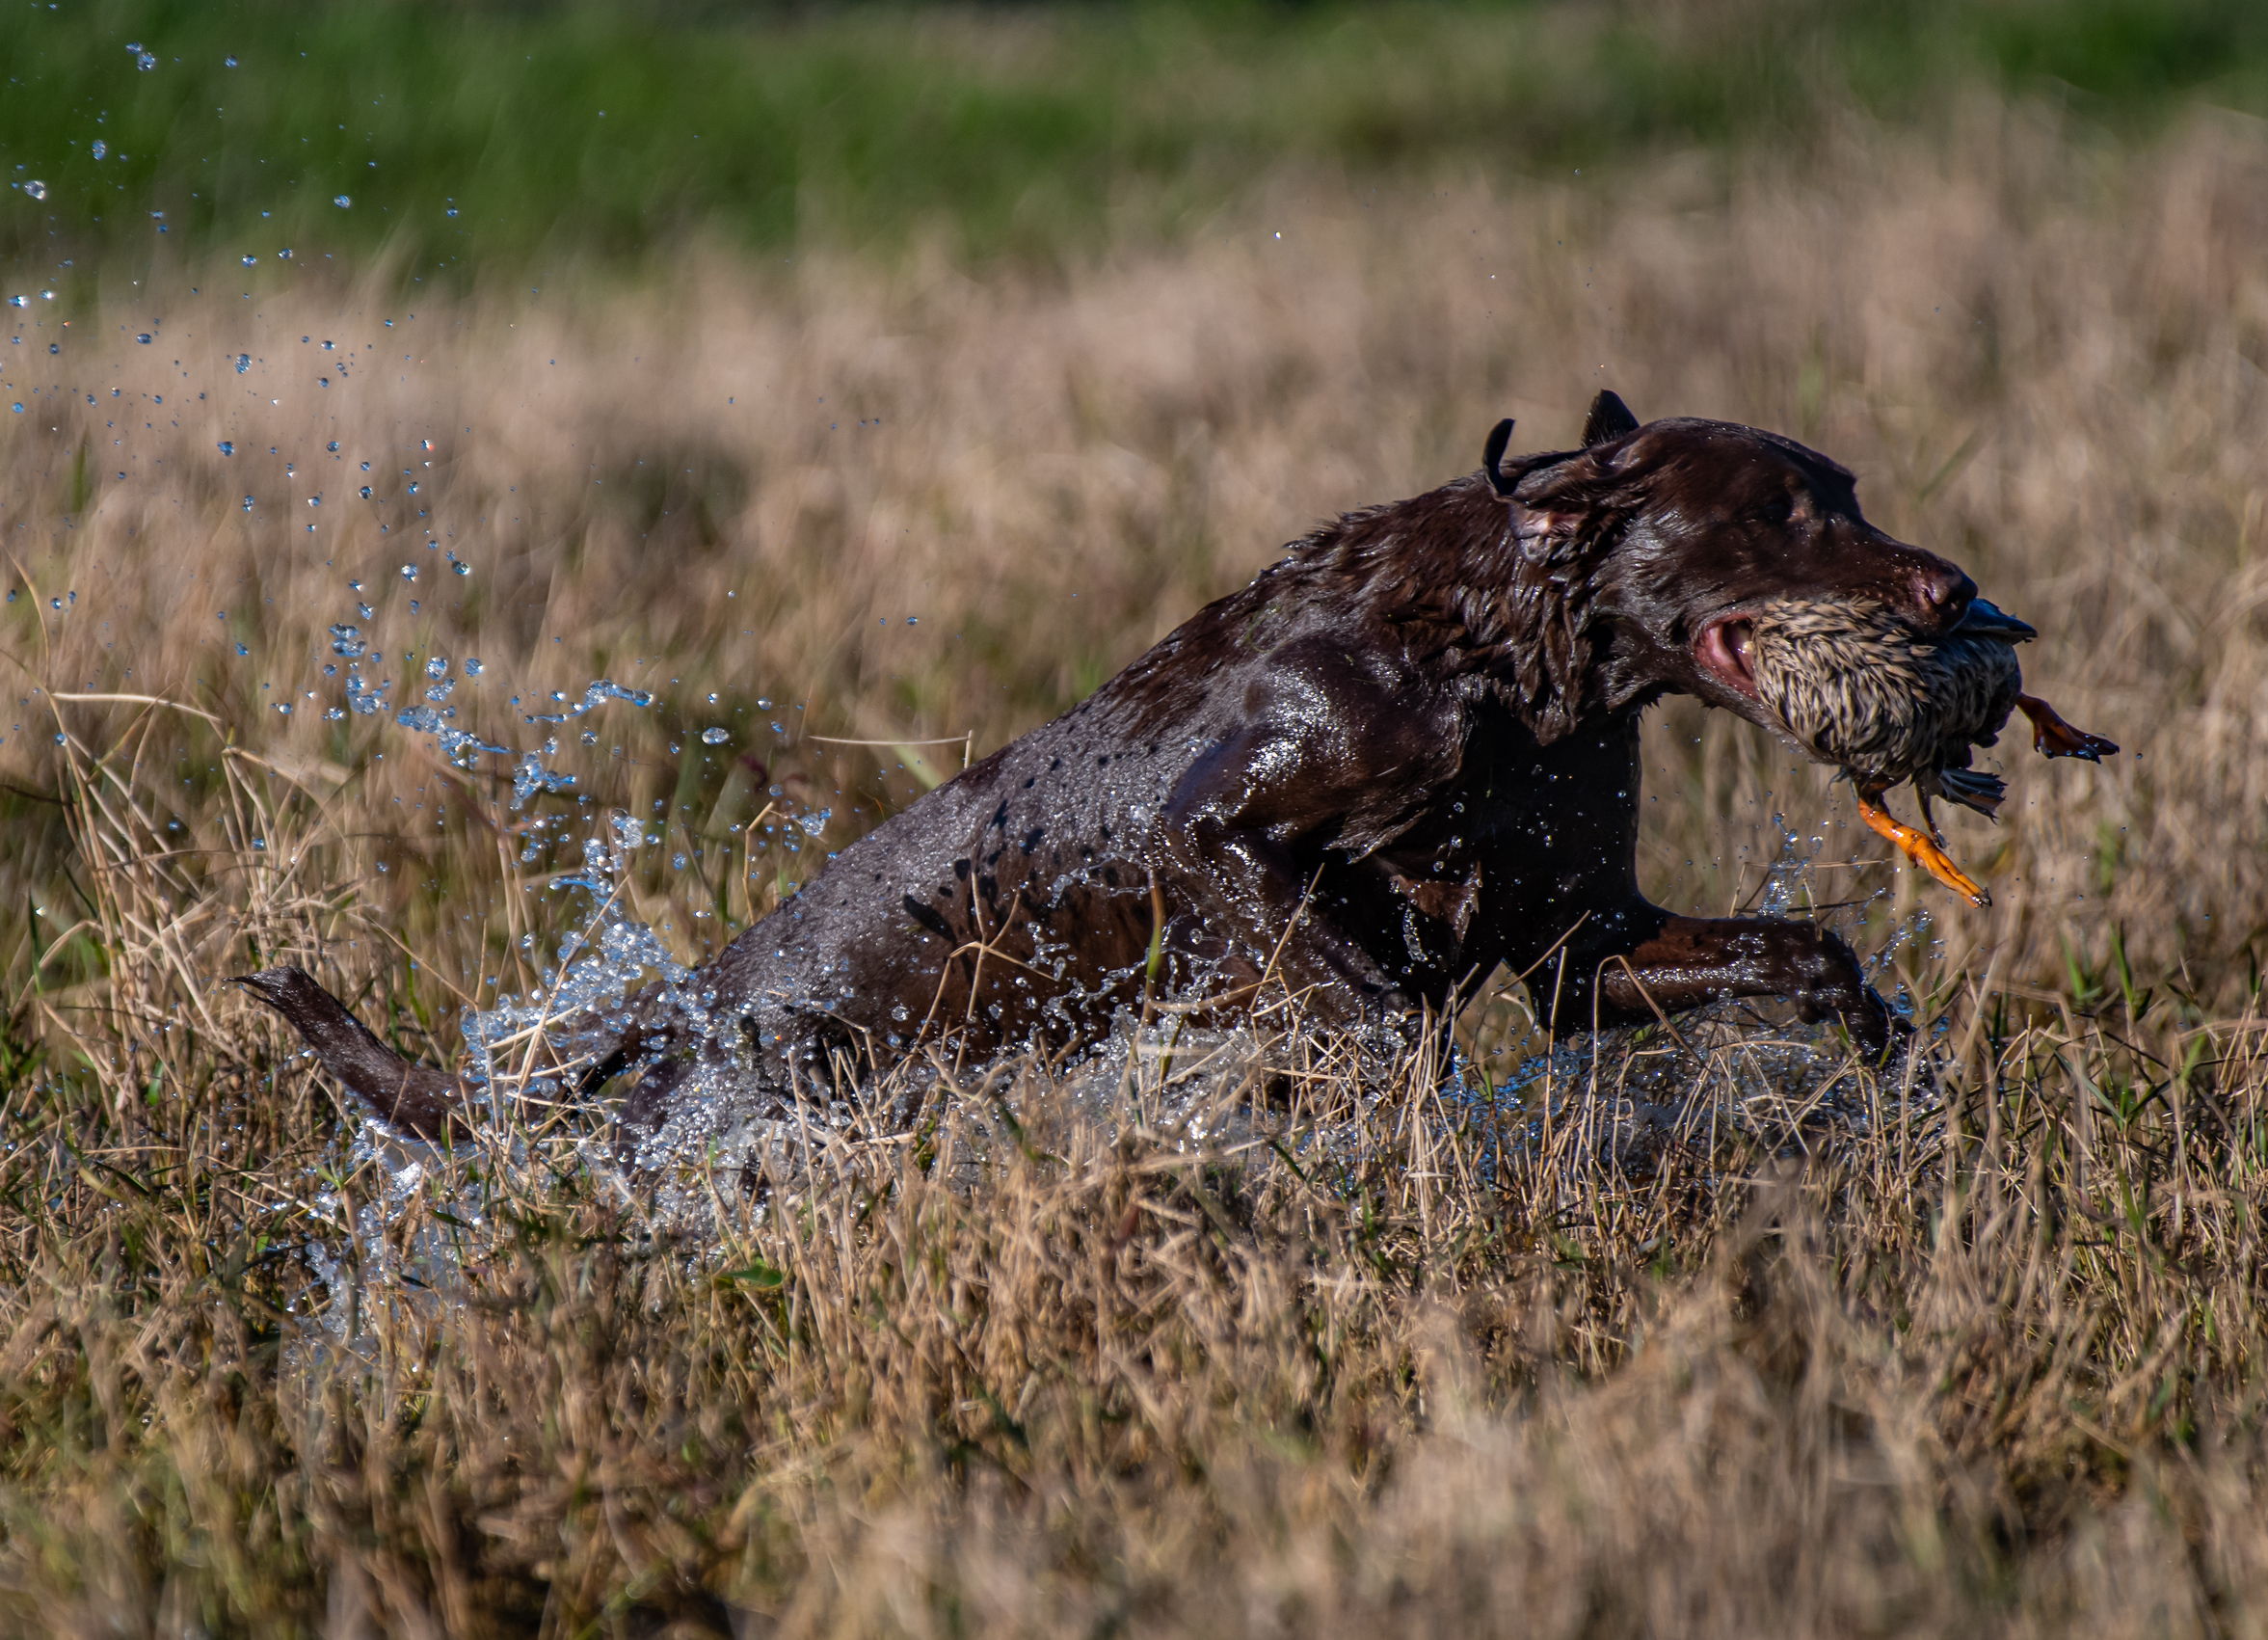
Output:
[[1778, 509]]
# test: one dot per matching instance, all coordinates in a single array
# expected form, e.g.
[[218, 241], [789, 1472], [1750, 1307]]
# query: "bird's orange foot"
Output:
[[2052, 736], [1917, 847]]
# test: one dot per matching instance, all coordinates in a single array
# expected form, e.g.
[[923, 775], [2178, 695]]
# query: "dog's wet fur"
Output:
[[1403, 754]]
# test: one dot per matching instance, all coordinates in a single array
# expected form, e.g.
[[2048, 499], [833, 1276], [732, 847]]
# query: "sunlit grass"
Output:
[[1980, 1359]]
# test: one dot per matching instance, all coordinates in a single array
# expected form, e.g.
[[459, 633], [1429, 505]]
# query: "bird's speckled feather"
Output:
[[1861, 688]]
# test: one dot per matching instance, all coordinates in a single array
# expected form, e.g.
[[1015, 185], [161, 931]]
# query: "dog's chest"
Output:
[[1517, 826]]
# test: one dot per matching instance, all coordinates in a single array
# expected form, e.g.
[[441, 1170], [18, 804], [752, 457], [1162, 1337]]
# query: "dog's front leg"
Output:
[[1281, 929], [1682, 962]]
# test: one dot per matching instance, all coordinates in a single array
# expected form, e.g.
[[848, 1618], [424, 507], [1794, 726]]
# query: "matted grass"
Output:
[[1983, 1360]]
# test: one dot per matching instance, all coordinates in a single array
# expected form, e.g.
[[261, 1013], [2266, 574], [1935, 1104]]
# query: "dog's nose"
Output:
[[1944, 593]]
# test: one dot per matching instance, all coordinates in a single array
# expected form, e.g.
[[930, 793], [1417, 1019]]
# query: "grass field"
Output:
[[474, 140], [905, 470]]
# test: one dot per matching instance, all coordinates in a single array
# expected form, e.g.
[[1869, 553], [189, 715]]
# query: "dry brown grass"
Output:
[[1988, 1364]]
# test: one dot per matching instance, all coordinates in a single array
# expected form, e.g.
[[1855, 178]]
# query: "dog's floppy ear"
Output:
[[1609, 418]]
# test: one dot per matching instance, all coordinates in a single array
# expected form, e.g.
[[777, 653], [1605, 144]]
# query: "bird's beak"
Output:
[[1983, 620]]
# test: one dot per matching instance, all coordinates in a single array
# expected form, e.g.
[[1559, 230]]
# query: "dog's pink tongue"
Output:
[[1724, 651]]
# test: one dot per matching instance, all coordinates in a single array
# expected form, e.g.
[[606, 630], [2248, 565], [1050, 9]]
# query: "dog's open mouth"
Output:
[[1725, 649]]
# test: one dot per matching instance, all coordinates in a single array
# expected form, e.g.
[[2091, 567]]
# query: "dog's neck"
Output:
[[1522, 601]]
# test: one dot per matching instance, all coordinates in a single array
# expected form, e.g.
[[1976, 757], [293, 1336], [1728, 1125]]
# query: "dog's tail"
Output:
[[429, 1103]]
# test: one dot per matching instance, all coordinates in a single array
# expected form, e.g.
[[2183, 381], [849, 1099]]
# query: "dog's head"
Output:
[[1679, 531]]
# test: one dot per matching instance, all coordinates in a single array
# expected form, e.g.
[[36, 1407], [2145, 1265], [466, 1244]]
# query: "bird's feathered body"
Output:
[[1857, 686], [1860, 685]]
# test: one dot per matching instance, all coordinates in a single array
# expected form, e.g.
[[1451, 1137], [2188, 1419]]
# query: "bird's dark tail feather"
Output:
[[1975, 789]]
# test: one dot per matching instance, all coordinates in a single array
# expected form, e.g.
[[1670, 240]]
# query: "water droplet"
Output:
[[144, 61], [243, 359], [143, 339], [365, 492], [284, 255], [61, 738], [228, 62], [314, 500], [438, 667], [242, 650], [227, 447], [19, 410], [36, 188], [99, 149], [679, 861], [763, 702], [461, 567], [331, 446], [284, 706], [342, 201], [18, 301], [452, 212], [365, 610], [248, 504], [713, 737], [250, 261], [472, 666], [409, 572]]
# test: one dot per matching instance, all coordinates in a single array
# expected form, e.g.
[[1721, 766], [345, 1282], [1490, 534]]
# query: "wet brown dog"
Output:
[[1402, 755]]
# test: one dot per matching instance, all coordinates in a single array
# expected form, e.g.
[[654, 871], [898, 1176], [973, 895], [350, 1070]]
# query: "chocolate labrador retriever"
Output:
[[1404, 754]]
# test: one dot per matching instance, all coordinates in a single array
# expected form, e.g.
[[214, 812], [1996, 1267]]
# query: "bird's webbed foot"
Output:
[[1924, 848], [2052, 736]]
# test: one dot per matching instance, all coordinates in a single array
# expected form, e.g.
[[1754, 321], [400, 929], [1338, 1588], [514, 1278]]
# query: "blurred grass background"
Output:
[[472, 138]]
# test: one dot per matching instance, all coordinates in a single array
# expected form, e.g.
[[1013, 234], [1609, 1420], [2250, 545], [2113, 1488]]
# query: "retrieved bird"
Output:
[[1861, 688]]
